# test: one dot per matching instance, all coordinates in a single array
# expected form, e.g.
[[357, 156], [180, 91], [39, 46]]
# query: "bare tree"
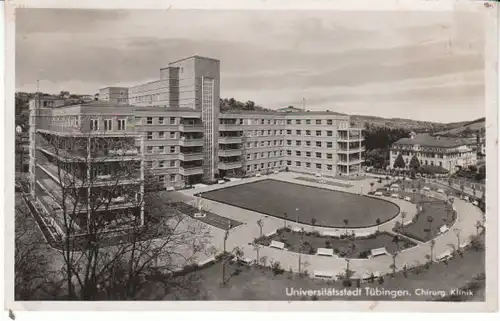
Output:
[[99, 206]]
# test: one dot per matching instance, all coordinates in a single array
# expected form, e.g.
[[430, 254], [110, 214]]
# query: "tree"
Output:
[[432, 244], [393, 265], [378, 221], [285, 215], [100, 204], [414, 163], [346, 222], [31, 258], [403, 216], [399, 162]]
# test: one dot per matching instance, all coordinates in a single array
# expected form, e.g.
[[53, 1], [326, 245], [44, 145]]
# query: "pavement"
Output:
[[242, 236]]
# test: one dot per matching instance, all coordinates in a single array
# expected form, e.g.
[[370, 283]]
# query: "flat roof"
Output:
[[194, 56]]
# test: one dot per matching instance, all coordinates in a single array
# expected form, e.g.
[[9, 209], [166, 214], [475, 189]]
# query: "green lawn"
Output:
[[254, 283], [304, 203], [357, 248]]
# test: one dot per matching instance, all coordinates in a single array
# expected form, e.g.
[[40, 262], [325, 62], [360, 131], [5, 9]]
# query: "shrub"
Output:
[[276, 268], [364, 255], [336, 251], [312, 251], [346, 283], [381, 280]]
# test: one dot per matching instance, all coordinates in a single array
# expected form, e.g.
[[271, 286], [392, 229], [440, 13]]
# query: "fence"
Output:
[[458, 182]]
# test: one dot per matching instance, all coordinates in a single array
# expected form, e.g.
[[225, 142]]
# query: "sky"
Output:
[[418, 65]]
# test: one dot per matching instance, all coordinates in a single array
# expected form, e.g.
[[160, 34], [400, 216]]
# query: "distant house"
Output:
[[445, 152]]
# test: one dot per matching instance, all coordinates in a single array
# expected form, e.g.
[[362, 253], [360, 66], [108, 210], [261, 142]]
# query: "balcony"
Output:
[[189, 142], [187, 171], [191, 128], [230, 165], [190, 157], [351, 150], [230, 152], [230, 127], [230, 140]]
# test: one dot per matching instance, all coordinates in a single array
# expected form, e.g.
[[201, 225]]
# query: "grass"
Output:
[[317, 180], [322, 206], [211, 218], [357, 248], [257, 283]]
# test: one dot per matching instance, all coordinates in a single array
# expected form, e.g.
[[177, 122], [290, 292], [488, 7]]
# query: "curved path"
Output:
[[243, 235]]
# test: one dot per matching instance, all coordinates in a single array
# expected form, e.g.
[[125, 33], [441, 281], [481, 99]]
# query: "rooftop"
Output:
[[191, 57], [431, 141]]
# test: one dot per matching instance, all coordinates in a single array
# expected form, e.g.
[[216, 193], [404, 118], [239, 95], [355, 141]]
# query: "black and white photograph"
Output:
[[253, 155]]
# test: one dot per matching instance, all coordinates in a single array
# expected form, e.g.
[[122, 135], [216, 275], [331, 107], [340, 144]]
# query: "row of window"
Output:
[[308, 132], [155, 120], [308, 143], [161, 178], [263, 155], [431, 155], [251, 133], [161, 164], [263, 165], [121, 124], [308, 165], [309, 154], [161, 135], [160, 149], [265, 143]]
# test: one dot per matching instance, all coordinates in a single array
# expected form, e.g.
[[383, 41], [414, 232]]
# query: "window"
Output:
[[172, 149], [161, 178], [289, 152], [329, 133], [308, 165], [268, 165], [269, 122], [249, 157], [308, 132], [329, 156], [262, 132], [289, 142], [122, 124], [249, 145], [329, 167], [172, 135], [150, 149], [161, 149], [255, 166], [297, 122], [298, 153], [318, 144], [255, 144], [308, 143], [138, 120], [318, 166], [248, 167], [298, 164], [150, 135], [318, 155], [262, 122], [149, 164], [441, 164], [172, 177], [318, 121], [149, 120], [308, 121], [308, 154], [288, 131], [329, 144], [108, 124], [161, 164], [289, 162], [268, 154], [318, 133], [262, 155], [94, 124], [289, 122], [161, 135], [172, 120], [241, 121], [172, 163], [261, 165], [298, 132], [329, 122], [262, 143], [297, 143], [268, 143], [161, 120]]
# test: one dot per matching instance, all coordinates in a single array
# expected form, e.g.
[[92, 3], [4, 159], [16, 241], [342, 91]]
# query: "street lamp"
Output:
[[260, 224], [297, 215], [226, 234]]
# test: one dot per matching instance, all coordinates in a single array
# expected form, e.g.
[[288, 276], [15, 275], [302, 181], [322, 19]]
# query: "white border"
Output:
[[360, 5]]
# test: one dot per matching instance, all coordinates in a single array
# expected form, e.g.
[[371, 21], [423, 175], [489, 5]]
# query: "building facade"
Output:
[[448, 153], [85, 167]]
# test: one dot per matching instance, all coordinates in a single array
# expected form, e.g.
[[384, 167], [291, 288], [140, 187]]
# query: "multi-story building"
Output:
[[114, 95], [448, 153], [85, 166]]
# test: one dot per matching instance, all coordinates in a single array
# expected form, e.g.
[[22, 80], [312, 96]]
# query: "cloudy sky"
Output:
[[426, 66]]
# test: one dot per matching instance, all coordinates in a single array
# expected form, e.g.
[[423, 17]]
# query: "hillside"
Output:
[[396, 123], [463, 129]]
